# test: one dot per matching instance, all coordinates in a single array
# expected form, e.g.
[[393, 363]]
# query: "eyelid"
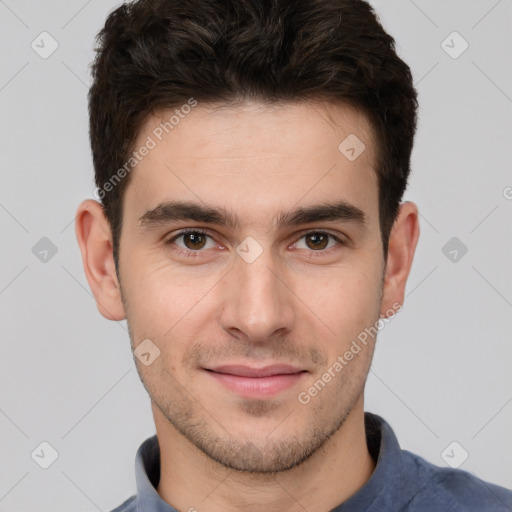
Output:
[[323, 252], [301, 234], [185, 231], [337, 237]]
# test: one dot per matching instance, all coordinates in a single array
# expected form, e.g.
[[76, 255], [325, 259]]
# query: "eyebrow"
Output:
[[171, 211]]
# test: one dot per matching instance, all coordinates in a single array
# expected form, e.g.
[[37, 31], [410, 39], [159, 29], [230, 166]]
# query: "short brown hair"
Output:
[[154, 55]]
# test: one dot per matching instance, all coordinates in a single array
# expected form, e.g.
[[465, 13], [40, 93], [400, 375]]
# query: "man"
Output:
[[250, 158]]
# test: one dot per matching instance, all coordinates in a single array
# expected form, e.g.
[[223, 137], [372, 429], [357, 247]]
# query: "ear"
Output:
[[402, 245], [94, 238]]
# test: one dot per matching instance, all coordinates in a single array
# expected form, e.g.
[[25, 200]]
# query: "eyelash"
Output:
[[195, 254]]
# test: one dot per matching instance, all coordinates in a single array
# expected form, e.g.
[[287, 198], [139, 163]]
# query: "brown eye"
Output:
[[194, 240], [317, 241], [191, 241]]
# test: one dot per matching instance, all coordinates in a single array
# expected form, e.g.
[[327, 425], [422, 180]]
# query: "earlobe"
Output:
[[402, 245], [94, 238]]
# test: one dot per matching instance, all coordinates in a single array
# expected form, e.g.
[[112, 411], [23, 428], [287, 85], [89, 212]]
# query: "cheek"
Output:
[[170, 309], [168, 304], [158, 292], [347, 301]]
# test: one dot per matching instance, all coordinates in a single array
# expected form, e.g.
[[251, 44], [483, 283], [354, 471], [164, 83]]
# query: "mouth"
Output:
[[256, 382]]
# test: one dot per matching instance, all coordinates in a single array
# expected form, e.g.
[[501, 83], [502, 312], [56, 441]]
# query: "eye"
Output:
[[318, 241], [194, 240]]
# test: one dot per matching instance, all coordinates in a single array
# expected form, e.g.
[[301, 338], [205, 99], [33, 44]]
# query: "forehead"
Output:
[[252, 156], [250, 127]]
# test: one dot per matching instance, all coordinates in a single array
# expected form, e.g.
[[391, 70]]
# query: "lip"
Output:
[[254, 382], [251, 371]]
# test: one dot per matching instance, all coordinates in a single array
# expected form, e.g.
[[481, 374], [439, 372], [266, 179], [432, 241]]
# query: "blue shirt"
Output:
[[401, 482]]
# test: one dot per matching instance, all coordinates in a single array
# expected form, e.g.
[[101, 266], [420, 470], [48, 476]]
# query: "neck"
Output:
[[191, 481]]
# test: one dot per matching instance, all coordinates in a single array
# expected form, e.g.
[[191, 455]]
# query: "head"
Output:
[[282, 132]]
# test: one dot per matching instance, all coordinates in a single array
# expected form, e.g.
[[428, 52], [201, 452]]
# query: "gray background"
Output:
[[442, 368]]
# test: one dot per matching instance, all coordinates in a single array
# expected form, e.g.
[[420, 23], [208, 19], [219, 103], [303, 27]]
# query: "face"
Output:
[[263, 295]]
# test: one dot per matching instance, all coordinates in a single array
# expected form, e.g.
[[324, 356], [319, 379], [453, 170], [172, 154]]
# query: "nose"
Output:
[[258, 302]]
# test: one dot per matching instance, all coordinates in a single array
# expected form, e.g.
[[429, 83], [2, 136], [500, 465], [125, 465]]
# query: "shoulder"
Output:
[[453, 489], [128, 506]]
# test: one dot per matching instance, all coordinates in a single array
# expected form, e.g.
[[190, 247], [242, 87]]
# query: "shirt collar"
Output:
[[147, 476], [384, 488]]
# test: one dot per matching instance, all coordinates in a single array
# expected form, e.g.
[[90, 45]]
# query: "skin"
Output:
[[295, 303]]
